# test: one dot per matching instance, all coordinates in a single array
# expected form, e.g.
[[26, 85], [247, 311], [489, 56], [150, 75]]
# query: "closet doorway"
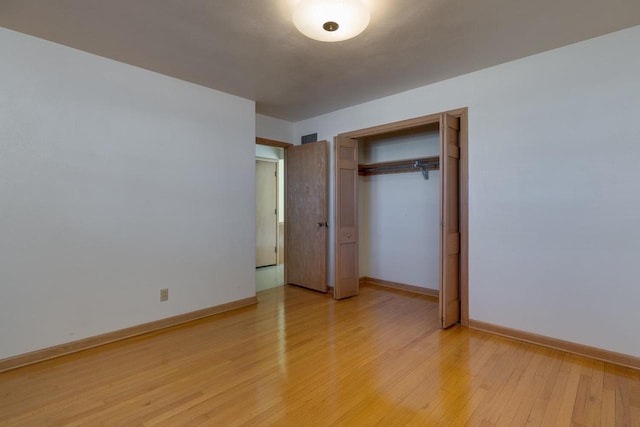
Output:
[[450, 159]]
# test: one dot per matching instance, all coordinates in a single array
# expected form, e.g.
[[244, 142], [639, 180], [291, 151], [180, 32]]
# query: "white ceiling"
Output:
[[251, 48]]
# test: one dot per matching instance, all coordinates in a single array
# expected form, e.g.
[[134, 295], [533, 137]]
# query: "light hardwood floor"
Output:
[[300, 358]]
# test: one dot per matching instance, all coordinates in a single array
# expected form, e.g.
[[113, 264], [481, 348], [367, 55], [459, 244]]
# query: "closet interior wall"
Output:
[[399, 213]]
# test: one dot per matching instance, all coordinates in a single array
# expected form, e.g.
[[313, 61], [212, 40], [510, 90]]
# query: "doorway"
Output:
[[453, 206], [269, 177], [303, 224], [266, 212]]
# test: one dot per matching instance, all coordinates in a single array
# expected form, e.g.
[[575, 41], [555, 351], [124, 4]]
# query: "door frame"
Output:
[[284, 145], [462, 114], [272, 143]]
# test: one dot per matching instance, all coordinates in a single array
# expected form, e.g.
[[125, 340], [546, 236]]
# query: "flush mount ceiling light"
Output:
[[331, 20]]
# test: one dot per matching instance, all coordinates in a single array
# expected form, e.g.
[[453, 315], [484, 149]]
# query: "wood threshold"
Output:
[[557, 344], [272, 142], [365, 280], [109, 337]]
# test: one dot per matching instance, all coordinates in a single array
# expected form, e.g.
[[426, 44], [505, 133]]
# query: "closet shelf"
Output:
[[419, 164]]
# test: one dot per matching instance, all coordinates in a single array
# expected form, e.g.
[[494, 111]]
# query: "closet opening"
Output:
[[401, 210]]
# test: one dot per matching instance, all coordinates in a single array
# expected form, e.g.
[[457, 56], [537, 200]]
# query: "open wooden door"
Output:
[[346, 197], [306, 227], [449, 220], [266, 212]]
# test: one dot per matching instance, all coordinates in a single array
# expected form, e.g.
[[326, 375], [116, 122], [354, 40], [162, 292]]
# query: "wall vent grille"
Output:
[[312, 137]]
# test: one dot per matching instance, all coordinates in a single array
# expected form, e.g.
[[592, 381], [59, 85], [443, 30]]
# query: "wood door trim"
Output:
[[121, 334], [366, 280], [273, 143], [558, 344], [394, 127]]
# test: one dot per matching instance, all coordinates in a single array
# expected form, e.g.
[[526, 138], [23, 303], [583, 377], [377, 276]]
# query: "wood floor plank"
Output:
[[623, 396], [301, 358]]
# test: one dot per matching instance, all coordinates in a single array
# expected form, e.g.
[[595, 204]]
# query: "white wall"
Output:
[[112, 186], [276, 129], [554, 199], [399, 214]]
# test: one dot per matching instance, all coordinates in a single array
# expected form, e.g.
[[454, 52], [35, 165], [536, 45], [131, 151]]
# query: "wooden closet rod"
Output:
[[421, 164]]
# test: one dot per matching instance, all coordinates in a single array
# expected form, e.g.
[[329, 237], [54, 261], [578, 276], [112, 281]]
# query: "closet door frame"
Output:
[[404, 125]]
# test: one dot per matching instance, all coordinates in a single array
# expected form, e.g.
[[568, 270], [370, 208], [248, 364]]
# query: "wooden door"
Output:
[[266, 212], [449, 220], [306, 226], [346, 230]]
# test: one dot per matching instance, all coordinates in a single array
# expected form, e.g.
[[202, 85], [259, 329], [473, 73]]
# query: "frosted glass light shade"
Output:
[[316, 18]]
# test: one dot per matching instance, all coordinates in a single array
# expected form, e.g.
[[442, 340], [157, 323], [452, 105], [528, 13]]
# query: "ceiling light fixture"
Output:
[[331, 20]]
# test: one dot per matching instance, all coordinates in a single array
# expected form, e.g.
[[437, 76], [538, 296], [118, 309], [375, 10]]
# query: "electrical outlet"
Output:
[[164, 294]]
